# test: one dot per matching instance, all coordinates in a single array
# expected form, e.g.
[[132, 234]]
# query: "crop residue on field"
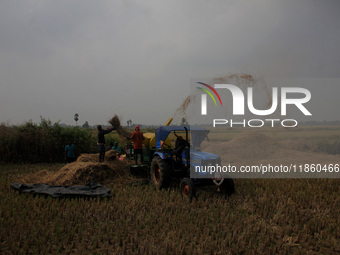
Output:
[[84, 170]]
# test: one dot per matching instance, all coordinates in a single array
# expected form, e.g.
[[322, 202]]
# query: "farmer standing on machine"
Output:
[[137, 137]]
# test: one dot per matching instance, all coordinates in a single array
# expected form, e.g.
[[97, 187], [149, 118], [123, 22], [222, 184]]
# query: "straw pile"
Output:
[[81, 173], [88, 158], [84, 170], [111, 155]]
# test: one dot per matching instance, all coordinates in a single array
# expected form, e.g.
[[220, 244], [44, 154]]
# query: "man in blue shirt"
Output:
[[70, 152]]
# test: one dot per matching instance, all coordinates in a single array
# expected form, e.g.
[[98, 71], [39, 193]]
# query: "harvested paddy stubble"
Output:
[[285, 216]]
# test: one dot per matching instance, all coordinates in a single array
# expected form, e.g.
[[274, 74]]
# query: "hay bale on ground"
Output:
[[81, 173]]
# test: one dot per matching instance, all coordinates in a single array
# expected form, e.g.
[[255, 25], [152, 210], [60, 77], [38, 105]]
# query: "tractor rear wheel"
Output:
[[187, 189], [160, 173]]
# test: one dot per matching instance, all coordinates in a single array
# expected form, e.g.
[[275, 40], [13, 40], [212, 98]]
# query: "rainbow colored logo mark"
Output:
[[209, 93]]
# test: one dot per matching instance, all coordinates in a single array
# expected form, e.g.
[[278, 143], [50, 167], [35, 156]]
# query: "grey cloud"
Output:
[[137, 58]]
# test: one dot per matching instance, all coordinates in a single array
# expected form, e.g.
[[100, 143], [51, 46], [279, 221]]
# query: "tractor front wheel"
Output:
[[187, 189]]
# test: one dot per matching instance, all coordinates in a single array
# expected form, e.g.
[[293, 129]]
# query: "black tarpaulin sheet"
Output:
[[89, 190]]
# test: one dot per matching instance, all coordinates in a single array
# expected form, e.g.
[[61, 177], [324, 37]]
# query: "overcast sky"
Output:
[[136, 58]]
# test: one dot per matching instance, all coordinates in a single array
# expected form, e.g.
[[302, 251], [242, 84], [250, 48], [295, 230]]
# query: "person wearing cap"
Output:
[[137, 137], [101, 141]]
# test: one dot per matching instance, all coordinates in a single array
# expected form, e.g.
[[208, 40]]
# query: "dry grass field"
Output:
[[264, 216]]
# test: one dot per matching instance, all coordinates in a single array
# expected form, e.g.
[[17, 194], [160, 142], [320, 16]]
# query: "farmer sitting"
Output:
[[179, 146], [117, 149]]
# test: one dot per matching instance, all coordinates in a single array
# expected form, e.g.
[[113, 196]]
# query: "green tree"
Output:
[[85, 125], [76, 117]]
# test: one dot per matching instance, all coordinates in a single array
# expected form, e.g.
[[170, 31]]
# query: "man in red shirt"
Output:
[[137, 137]]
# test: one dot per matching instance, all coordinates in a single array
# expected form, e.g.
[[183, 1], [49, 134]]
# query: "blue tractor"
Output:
[[168, 162]]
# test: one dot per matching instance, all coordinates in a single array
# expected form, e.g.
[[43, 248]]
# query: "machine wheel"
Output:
[[160, 173], [227, 187], [187, 189]]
